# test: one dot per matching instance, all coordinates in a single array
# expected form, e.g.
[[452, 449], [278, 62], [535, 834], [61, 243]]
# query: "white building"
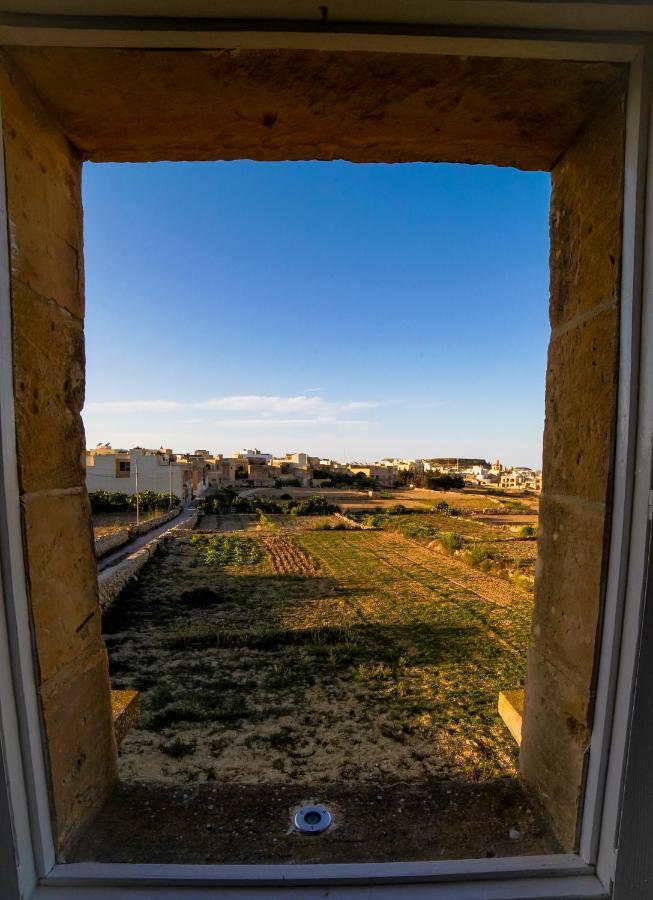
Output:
[[158, 470]]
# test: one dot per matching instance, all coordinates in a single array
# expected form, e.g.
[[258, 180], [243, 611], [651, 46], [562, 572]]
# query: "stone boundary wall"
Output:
[[117, 538], [110, 541], [113, 580], [144, 527], [353, 522]]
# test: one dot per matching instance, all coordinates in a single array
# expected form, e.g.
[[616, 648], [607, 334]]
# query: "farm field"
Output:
[[313, 655], [468, 501]]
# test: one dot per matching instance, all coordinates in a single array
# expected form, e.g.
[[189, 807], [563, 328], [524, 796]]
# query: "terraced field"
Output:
[[318, 655]]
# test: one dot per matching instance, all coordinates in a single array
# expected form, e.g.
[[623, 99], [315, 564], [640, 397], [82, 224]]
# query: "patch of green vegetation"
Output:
[[256, 638], [479, 555], [451, 541], [227, 500], [232, 549], [522, 582], [266, 522], [528, 531], [115, 501]]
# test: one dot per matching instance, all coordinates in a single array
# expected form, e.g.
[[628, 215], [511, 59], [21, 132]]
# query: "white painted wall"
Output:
[[154, 474]]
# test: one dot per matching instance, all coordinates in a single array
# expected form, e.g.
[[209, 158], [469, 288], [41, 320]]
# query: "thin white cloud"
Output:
[[360, 404], [262, 403], [133, 406], [264, 422], [245, 403]]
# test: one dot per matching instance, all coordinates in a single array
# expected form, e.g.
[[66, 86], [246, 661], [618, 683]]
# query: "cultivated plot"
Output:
[[314, 656]]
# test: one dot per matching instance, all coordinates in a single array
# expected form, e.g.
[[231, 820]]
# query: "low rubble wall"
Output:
[[115, 539], [144, 527], [353, 522], [113, 580], [110, 541]]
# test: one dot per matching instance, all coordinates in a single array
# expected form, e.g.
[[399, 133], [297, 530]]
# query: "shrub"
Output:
[[441, 482], [528, 531], [477, 555], [397, 509], [314, 506], [116, 501], [442, 507], [417, 530], [264, 522], [451, 541], [522, 582]]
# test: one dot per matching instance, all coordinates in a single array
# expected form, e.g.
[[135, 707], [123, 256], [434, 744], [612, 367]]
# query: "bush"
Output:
[[442, 507], [417, 530], [478, 555], [441, 482], [397, 509], [528, 531], [522, 582], [227, 500], [451, 541], [116, 501], [314, 506]]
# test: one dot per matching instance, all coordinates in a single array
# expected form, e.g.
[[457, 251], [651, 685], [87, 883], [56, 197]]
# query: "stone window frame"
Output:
[[587, 874]]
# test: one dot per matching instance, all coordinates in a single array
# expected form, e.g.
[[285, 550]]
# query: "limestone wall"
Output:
[[112, 581], [47, 299], [115, 539], [144, 527], [111, 541], [581, 381]]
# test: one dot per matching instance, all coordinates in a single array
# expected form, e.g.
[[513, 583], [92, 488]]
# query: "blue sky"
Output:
[[353, 311]]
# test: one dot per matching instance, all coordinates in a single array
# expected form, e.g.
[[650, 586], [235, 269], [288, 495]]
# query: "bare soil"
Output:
[[221, 823]]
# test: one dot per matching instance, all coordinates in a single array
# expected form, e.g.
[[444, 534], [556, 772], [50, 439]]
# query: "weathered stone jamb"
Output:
[[579, 444], [43, 193]]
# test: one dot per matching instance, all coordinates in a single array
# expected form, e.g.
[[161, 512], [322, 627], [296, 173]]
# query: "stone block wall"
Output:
[[115, 539], [581, 384], [113, 581], [111, 541], [47, 298], [144, 527]]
